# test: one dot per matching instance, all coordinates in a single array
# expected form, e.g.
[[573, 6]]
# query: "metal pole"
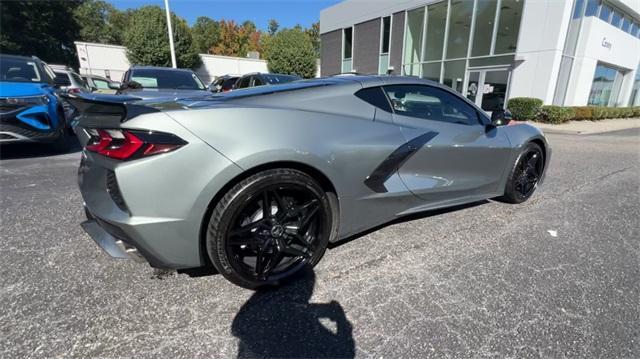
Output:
[[173, 50]]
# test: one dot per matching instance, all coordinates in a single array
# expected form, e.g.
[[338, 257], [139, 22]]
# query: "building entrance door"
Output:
[[488, 88]]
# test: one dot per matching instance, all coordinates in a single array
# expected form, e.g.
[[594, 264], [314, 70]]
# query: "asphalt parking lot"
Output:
[[558, 276]]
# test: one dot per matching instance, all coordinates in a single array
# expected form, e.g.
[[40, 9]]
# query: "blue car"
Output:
[[30, 109]]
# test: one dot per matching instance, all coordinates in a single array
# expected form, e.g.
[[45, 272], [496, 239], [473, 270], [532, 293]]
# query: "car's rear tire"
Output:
[[524, 175], [269, 226]]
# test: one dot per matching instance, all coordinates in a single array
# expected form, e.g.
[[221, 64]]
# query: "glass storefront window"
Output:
[[592, 8], [634, 99], [605, 12], [485, 18], [459, 28], [626, 25], [413, 39], [386, 34], [436, 22], [431, 71], [454, 74], [605, 87], [616, 18], [508, 26]]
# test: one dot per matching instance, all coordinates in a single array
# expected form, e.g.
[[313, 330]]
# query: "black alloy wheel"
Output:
[[269, 227], [525, 175]]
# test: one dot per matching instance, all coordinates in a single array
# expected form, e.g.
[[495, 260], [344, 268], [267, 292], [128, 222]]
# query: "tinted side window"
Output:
[[101, 84], [375, 97], [430, 103], [243, 82], [257, 81]]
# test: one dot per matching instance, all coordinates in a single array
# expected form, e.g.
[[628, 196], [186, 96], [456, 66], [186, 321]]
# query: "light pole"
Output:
[[173, 50]]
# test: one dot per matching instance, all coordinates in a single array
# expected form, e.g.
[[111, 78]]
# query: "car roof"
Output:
[[20, 57], [159, 68]]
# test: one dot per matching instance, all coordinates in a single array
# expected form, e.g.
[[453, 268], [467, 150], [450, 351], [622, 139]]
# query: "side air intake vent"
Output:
[[114, 191]]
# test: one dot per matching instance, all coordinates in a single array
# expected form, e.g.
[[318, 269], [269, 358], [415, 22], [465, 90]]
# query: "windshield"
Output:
[[167, 79], [19, 70], [280, 79]]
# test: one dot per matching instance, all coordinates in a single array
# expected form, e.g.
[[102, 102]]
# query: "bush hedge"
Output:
[[531, 109], [557, 114], [525, 108]]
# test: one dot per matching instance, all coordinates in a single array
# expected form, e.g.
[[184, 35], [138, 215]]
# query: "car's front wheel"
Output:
[[525, 174], [269, 226]]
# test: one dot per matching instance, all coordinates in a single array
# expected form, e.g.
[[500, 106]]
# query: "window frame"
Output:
[[481, 118]]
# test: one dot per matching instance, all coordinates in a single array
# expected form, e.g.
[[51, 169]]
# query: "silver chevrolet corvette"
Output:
[[258, 182]]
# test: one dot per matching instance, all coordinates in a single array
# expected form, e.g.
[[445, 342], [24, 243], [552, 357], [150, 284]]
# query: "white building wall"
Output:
[[623, 53], [543, 29]]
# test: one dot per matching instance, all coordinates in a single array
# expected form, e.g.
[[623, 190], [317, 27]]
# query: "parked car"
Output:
[[259, 79], [101, 84], [223, 83], [260, 181], [30, 110], [158, 82], [70, 81]]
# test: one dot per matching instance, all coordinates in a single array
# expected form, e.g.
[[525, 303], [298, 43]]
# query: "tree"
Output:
[[291, 52], [46, 29], [99, 22], [273, 27], [228, 44], [205, 33], [314, 34], [147, 40]]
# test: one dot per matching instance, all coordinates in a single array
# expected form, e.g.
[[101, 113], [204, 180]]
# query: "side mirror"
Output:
[[94, 89], [500, 117], [114, 85]]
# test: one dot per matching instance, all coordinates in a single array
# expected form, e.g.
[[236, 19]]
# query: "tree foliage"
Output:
[[314, 34], [205, 33], [273, 27], [46, 29], [237, 40], [291, 52], [100, 22], [147, 40]]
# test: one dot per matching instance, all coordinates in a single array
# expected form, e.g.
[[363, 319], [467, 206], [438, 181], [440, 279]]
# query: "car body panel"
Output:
[[379, 166]]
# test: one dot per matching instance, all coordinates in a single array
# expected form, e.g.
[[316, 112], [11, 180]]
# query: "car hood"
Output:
[[168, 94], [9, 89]]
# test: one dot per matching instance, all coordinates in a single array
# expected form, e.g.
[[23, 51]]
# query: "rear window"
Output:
[[19, 70], [167, 79], [63, 79]]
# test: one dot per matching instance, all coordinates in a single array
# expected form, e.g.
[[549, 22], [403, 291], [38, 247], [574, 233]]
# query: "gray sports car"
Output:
[[258, 182]]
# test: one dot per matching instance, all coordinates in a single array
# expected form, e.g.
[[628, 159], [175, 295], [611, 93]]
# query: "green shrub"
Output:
[[636, 112], [599, 113], [524, 108], [557, 114], [583, 113]]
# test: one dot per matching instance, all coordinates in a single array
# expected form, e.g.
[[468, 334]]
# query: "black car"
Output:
[[223, 83], [155, 82], [258, 79]]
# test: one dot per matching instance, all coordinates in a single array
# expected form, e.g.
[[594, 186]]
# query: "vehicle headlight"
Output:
[[25, 100]]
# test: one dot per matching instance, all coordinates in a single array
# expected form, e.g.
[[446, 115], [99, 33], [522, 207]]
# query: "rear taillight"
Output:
[[130, 144]]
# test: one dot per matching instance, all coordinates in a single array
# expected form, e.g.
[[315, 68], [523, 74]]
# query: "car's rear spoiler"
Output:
[[97, 110]]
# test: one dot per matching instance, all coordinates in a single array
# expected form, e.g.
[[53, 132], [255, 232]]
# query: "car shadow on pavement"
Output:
[[281, 323], [32, 149]]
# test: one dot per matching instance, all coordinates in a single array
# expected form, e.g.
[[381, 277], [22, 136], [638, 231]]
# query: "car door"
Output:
[[456, 158]]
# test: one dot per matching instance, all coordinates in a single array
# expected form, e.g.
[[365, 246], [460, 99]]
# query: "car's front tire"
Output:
[[524, 175], [269, 226]]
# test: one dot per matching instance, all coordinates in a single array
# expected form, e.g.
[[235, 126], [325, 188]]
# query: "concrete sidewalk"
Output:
[[589, 127]]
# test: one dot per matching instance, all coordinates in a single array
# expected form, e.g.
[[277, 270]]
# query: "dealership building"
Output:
[[565, 52]]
